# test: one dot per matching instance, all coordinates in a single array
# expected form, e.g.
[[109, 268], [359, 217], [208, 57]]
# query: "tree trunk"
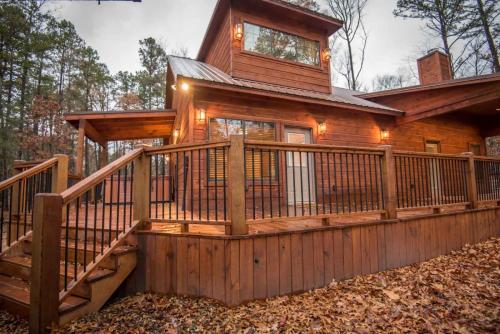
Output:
[[351, 65], [489, 37]]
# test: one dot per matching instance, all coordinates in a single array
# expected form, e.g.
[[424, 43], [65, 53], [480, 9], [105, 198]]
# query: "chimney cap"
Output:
[[432, 51]]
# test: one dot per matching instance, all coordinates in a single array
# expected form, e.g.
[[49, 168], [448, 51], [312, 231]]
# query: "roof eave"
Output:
[[310, 100]]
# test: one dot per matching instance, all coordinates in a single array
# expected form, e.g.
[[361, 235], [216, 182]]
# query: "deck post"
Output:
[[60, 174], [44, 291], [471, 181], [18, 189], [389, 183], [80, 148], [236, 186], [141, 191]]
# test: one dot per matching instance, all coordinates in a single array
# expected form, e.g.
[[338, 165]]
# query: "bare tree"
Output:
[[447, 19], [484, 14], [349, 62], [402, 78]]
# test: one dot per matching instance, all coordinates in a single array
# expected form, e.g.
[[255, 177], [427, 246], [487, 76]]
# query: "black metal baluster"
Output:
[[66, 248], [215, 184], [170, 186], [156, 185], [1, 218], [132, 193], [294, 188], [382, 190], [177, 185], [278, 171], [342, 181], [253, 182], [301, 182], [371, 181], [208, 176], [95, 222], [185, 171], [335, 182], [111, 208], [322, 181], [270, 185], [150, 209], [162, 187], [118, 205], [125, 181], [308, 183], [191, 181], [9, 234], [348, 183], [359, 184], [77, 218], [103, 214], [287, 201], [366, 185], [18, 220], [199, 185], [354, 183], [329, 181], [85, 231], [262, 184]]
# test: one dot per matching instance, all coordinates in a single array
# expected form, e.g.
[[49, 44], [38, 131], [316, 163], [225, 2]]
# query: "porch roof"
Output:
[[205, 74], [124, 125]]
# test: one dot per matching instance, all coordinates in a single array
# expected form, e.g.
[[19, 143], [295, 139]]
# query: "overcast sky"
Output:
[[114, 29]]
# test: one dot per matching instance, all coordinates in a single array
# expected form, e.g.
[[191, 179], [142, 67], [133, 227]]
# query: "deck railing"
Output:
[[487, 171], [430, 180], [17, 195]]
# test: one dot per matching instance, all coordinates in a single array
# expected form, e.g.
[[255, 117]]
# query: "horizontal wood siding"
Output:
[[235, 270], [219, 53], [343, 127], [266, 69]]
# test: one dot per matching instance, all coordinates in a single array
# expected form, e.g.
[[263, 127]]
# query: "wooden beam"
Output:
[[236, 186], [140, 185], [103, 158], [471, 181], [92, 133], [45, 263], [80, 145]]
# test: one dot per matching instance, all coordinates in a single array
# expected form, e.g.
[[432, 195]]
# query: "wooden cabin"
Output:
[[270, 180]]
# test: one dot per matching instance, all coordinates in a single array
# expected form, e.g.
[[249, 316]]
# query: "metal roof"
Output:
[[194, 69]]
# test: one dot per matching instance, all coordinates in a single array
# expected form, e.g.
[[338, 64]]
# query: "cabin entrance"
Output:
[[299, 168]]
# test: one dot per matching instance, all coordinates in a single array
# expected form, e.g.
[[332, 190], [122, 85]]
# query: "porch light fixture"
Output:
[[185, 86], [321, 128], [201, 115], [238, 31], [174, 87], [384, 134], [176, 133], [326, 54]]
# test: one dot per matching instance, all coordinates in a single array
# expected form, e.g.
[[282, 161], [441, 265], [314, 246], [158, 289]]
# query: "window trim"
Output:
[[318, 67]]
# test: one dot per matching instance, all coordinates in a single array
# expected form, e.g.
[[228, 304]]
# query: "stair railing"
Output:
[[74, 231], [17, 195]]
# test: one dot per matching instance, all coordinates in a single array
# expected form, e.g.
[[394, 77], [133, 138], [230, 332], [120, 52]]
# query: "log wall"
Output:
[[238, 269]]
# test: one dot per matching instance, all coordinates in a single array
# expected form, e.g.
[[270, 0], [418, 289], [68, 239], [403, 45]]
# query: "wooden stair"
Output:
[[89, 296]]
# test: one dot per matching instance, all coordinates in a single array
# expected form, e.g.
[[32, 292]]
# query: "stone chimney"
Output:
[[434, 67]]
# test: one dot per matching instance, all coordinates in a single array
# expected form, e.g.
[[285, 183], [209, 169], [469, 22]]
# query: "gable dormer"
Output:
[[270, 41]]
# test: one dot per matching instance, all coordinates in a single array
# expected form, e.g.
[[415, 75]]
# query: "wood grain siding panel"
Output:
[[219, 53], [266, 69], [345, 128], [234, 270]]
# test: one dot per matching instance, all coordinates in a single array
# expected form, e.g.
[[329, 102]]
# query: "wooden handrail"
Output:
[[484, 158], [429, 155], [186, 147], [88, 183], [311, 147], [27, 173]]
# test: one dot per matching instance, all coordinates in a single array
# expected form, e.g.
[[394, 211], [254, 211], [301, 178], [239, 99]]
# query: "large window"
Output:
[[222, 128], [280, 45]]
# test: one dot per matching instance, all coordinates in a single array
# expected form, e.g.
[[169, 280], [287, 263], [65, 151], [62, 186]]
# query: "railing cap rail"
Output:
[[284, 146], [186, 147], [27, 173], [431, 155], [88, 183]]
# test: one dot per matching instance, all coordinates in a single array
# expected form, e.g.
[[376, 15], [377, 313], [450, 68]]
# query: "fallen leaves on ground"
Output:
[[458, 293]]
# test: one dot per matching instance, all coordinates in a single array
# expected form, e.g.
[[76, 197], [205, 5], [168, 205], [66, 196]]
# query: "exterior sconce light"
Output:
[[326, 54], [185, 86], [238, 31], [174, 87], [321, 128], [384, 134], [176, 133], [202, 115]]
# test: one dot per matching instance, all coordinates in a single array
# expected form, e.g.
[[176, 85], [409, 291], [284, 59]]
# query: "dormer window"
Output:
[[280, 45]]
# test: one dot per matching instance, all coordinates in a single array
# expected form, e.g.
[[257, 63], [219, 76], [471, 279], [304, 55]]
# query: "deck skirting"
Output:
[[235, 269]]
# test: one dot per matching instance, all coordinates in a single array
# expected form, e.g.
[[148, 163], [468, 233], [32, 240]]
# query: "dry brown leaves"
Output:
[[459, 293]]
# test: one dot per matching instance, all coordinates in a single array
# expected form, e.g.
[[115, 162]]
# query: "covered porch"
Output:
[[104, 127]]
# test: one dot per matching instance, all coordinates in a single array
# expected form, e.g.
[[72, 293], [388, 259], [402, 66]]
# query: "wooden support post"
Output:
[[389, 183], [18, 189], [103, 159], [80, 149], [60, 174], [471, 181], [236, 182], [141, 191], [45, 263]]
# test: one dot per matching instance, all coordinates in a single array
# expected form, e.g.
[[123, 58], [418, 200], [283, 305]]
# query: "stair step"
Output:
[[71, 303], [14, 295]]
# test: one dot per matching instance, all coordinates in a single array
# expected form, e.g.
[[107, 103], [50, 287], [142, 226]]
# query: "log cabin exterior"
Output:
[[270, 180]]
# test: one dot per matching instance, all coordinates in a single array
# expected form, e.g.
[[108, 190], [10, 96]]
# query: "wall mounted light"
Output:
[[321, 128], [384, 134], [326, 54], [185, 86], [174, 87], [202, 114], [176, 133], [238, 31]]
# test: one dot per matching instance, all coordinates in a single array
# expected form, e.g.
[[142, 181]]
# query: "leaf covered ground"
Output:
[[458, 293]]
